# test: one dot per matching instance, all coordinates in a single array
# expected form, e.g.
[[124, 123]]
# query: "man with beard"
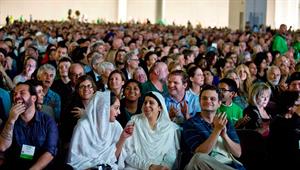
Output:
[[29, 137], [38, 85], [120, 59], [279, 41], [157, 79], [294, 82], [273, 78]]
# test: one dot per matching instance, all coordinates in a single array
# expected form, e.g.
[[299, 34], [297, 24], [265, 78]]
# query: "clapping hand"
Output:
[[173, 112], [220, 121], [185, 110]]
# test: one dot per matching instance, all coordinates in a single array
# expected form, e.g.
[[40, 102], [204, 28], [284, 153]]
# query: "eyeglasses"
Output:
[[85, 86]]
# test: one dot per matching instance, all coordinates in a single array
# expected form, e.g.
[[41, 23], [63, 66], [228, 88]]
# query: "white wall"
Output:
[[236, 7], [57, 9], [141, 10], [206, 12], [270, 18], [287, 12]]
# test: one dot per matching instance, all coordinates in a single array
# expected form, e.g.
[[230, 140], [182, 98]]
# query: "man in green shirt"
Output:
[[228, 88], [279, 41], [157, 79]]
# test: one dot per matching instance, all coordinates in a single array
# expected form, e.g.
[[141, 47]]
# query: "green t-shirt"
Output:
[[233, 111], [280, 44], [148, 86]]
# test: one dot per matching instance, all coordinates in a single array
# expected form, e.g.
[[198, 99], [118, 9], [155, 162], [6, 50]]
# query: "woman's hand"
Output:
[[158, 167], [78, 112], [241, 122], [128, 130]]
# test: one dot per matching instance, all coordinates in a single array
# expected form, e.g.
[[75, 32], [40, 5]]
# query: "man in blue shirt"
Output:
[[210, 136], [46, 74], [29, 137], [6, 103], [179, 105]]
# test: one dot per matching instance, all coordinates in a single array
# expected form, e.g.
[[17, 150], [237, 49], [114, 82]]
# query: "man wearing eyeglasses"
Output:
[[132, 62], [228, 89], [76, 70], [211, 137]]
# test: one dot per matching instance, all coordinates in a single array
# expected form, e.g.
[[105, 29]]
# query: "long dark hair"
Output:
[[113, 98]]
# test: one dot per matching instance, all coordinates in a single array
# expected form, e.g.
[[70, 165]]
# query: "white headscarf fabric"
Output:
[[151, 145], [95, 137]]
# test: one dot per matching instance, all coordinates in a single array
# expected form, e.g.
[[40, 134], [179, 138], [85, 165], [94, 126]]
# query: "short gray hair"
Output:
[[105, 65], [96, 56], [46, 67]]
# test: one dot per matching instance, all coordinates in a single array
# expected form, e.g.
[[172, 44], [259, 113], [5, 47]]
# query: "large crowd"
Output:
[[147, 96]]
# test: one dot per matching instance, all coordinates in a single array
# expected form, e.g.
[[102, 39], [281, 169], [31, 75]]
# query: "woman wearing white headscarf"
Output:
[[154, 142], [98, 139]]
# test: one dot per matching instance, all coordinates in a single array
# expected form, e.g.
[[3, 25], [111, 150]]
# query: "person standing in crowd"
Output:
[[279, 41]]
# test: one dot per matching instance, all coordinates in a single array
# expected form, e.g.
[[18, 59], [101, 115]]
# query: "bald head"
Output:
[[76, 70], [283, 29]]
